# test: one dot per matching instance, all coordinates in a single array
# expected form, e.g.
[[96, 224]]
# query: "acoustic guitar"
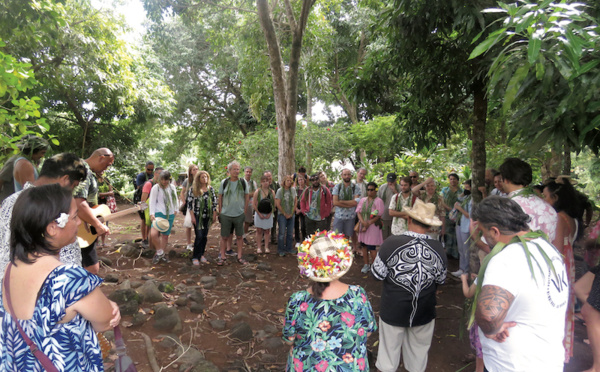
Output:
[[87, 235]]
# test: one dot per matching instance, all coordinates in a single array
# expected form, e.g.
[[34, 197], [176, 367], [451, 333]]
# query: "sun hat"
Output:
[[324, 256], [423, 212], [161, 224]]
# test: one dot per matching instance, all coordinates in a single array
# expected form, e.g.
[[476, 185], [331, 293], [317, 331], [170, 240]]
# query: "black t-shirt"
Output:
[[411, 266]]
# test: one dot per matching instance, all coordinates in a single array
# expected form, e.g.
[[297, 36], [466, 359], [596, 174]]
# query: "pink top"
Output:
[[373, 234], [543, 216]]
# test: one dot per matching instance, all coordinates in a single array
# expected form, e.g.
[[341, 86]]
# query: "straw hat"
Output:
[[424, 213], [161, 224], [324, 256]]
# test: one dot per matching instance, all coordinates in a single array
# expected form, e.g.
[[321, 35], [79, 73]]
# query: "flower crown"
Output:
[[325, 269]]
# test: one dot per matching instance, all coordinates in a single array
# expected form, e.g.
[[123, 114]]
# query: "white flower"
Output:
[[62, 220]]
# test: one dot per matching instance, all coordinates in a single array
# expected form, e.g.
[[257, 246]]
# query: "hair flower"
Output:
[[62, 220]]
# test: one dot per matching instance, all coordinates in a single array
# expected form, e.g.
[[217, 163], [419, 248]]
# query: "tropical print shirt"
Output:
[[71, 346], [543, 216], [329, 335]]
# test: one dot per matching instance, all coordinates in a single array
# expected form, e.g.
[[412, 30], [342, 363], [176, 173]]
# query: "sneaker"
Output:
[[157, 258], [165, 259], [281, 254], [457, 273], [365, 269], [190, 247], [231, 252]]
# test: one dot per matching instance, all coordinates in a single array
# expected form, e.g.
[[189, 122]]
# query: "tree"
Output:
[[547, 73]]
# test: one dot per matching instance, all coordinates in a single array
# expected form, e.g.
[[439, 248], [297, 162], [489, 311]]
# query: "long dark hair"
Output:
[[318, 288], [33, 211]]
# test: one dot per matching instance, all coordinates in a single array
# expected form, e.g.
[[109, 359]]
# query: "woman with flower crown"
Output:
[[327, 324], [369, 211]]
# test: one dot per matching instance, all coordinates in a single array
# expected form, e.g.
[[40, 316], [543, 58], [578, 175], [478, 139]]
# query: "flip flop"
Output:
[[241, 261], [220, 262]]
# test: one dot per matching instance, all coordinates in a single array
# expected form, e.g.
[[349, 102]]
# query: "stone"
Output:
[[180, 287], [111, 278], [148, 253], [261, 335], [268, 358], [271, 329], [247, 274], [191, 360], [147, 277], [257, 307], [195, 294], [197, 308], [181, 301], [264, 266], [172, 253], [251, 257], [168, 341], [130, 250], [210, 285], [129, 308], [241, 331], [241, 315], [136, 284], [107, 261], [166, 287], [126, 284], [260, 276], [217, 324], [273, 343], [121, 296], [149, 293], [167, 319], [138, 319], [208, 279], [247, 285], [185, 269]]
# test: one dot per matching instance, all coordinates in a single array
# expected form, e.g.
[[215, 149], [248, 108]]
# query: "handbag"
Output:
[[187, 221], [43, 358], [123, 362]]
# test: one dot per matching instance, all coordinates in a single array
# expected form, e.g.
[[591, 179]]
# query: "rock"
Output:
[[149, 293], [271, 329], [185, 269], [172, 254], [166, 287], [247, 285], [217, 324], [107, 261], [148, 253], [273, 343], [122, 296], [147, 277], [208, 279], [257, 307], [247, 274], [264, 266], [167, 319], [195, 294], [111, 278], [126, 284], [241, 331], [129, 308], [261, 335], [268, 358], [197, 308], [169, 341], [136, 284], [241, 315], [138, 319], [260, 276], [193, 361], [210, 285], [181, 301], [180, 287], [251, 257], [130, 250]]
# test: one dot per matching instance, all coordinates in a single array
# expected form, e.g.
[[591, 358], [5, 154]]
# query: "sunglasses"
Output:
[[370, 189], [414, 176], [313, 179]]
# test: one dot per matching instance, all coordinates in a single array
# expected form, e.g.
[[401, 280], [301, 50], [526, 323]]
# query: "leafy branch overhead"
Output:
[[547, 72]]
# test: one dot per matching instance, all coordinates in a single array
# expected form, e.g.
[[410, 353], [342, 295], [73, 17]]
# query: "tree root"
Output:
[[150, 352]]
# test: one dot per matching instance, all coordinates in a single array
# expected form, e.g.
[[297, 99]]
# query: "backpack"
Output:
[[341, 186], [137, 195], [226, 182]]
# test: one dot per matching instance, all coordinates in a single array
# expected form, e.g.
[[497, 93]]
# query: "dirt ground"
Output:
[[264, 302]]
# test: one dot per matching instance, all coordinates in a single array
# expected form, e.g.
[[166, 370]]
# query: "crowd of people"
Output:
[[514, 250]]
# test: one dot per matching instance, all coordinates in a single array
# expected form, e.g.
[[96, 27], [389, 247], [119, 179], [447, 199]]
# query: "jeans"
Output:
[[300, 228], [286, 231], [201, 238]]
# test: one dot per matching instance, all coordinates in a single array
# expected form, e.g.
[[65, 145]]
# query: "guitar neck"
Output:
[[125, 212]]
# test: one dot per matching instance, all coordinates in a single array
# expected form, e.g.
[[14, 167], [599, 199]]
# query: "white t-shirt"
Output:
[[535, 343]]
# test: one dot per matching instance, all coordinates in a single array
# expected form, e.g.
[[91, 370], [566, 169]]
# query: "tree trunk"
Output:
[[478, 155], [285, 91], [567, 160]]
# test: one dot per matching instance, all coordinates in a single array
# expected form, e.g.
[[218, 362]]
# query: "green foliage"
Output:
[[547, 74], [19, 114]]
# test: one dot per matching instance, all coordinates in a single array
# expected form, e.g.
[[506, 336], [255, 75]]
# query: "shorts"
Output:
[[369, 246], [229, 223], [142, 215], [594, 297], [89, 256], [345, 227], [171, 219]]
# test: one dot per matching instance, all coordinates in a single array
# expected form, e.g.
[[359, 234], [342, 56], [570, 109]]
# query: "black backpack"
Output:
[[226, 182], [137, 195]]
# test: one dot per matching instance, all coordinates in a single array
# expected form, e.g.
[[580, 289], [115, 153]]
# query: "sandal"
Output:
[[220, 261], [259, 251], [195, 262], [241, 261], [267, 250]]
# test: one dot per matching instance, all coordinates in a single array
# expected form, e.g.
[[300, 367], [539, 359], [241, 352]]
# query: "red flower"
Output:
[[361, 364], [347, 358], [361, 332], [325, 326], [328, 129], [348, 319], [303, 306], [240, 142], [298, 365], [322, 366]]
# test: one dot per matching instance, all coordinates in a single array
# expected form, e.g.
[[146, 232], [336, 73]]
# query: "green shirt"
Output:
[[234, 199]]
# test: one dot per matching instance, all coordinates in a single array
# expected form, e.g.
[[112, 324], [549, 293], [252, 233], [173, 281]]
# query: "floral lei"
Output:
[[316, 267]]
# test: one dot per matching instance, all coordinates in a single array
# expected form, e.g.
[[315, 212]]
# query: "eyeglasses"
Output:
[[414, 176], [370, 189], [150, 170], [314, 179]]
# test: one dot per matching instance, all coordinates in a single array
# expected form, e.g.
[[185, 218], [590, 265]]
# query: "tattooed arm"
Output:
[[492, 305]]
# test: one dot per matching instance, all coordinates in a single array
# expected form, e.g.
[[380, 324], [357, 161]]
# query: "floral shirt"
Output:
[[329, 335], [69, 254], [399, 224], [543, 216], [345, 193]]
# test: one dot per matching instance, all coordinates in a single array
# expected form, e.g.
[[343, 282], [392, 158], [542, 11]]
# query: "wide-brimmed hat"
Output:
[[324, 256], [161, 224], [423, 212]]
